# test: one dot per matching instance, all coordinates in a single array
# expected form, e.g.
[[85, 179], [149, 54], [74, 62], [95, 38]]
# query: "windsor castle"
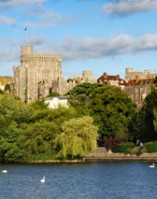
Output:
[[40, 74]]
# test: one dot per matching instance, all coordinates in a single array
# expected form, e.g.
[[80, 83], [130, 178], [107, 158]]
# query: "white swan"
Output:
[[43, 179], [4, 171], [152, 166]]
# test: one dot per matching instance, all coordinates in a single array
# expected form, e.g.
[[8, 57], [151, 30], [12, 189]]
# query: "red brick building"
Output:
[[137, 89]]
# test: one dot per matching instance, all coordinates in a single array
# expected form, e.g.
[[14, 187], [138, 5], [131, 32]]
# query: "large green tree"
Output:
[[142, 126], [155, 119], [12, 114], [80, 97], [112, 110], [29, 130], [78, 137], [149, 107]]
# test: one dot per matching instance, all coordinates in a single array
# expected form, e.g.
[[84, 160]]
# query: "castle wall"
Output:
[[37, 74], [130, 74]]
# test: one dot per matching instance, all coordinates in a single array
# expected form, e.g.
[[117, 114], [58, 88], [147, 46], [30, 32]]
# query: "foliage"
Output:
[[110, 107], [80, 97], [39, 104], [78, 137], [143, 122], [112, 142], [112, 110], [84, 89], [125, 147], [9, 143], [12, 114], [70, 80], [53, 94], [137, 128], [28, 130], [155, 119], [12, 109], [7, 87], [151, 147]]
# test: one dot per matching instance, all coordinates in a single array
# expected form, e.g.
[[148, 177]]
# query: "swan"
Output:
[[43, 179], [4, 171], [152, 166]]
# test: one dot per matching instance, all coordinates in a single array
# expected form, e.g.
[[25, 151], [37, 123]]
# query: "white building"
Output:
[[54, 102]]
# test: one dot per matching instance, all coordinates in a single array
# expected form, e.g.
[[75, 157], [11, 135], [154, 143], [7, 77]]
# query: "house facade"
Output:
[[137, 89]]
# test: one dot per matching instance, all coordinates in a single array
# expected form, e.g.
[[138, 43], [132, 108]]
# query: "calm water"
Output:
[[102, 180]]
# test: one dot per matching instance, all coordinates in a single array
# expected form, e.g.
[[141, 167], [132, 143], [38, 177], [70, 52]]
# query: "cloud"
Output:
[[89, 48], [128, 7], [42, 18], [6, 4], [47, 19], [37, 41], [7, 20], [74, 48], [11, 56]]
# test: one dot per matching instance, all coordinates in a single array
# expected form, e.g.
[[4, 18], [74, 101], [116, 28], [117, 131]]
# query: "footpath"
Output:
[[102, 154]]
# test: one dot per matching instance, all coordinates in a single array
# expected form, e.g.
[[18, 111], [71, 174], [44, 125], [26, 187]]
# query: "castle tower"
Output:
[[37, 75]]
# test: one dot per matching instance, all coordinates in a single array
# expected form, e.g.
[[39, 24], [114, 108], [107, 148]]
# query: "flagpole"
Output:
[[26, 36]]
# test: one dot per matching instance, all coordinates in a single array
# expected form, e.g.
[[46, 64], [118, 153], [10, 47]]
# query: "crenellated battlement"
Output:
[[41, 58], [27, 55]]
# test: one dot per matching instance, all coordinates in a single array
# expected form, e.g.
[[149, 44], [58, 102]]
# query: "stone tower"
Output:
[[37, 76]]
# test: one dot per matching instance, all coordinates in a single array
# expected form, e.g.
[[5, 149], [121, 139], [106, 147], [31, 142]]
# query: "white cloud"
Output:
[[87, 48], [47, 19], [5, 4], [128, 7], [90, 48], [7, 20], [36, 10]]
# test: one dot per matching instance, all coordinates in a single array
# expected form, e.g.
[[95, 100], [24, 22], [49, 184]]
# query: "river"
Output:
[[98, 180]]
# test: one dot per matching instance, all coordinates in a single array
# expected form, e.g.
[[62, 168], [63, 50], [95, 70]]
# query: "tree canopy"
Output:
[[112, 110], [78, 137]]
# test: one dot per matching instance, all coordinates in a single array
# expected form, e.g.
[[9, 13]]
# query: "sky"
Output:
[[96, 35]]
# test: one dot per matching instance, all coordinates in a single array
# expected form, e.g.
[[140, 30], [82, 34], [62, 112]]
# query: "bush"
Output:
[[113, 142], [151, 147], [125, 147]]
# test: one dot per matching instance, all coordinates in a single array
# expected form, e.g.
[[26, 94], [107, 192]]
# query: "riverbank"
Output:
[[102, 154]]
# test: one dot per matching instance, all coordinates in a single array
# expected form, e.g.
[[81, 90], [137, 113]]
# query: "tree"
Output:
[[112, 110], [10, 147], [142, 125], [137, 126], [80, 97], [53, 94], [155, 119], [39, 104], [13, 113], [84, 89], [149, 107], [12, 109], [78, 137], [37, 137], [7, 87]]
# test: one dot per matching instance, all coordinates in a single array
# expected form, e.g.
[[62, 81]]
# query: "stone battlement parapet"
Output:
[[41, 57]]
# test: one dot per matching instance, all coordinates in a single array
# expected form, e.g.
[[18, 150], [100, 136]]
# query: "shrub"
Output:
[[125, 147], [112, 142], [151, 147]]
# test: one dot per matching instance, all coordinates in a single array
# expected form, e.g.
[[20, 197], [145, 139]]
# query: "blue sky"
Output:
[[97, 35]]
